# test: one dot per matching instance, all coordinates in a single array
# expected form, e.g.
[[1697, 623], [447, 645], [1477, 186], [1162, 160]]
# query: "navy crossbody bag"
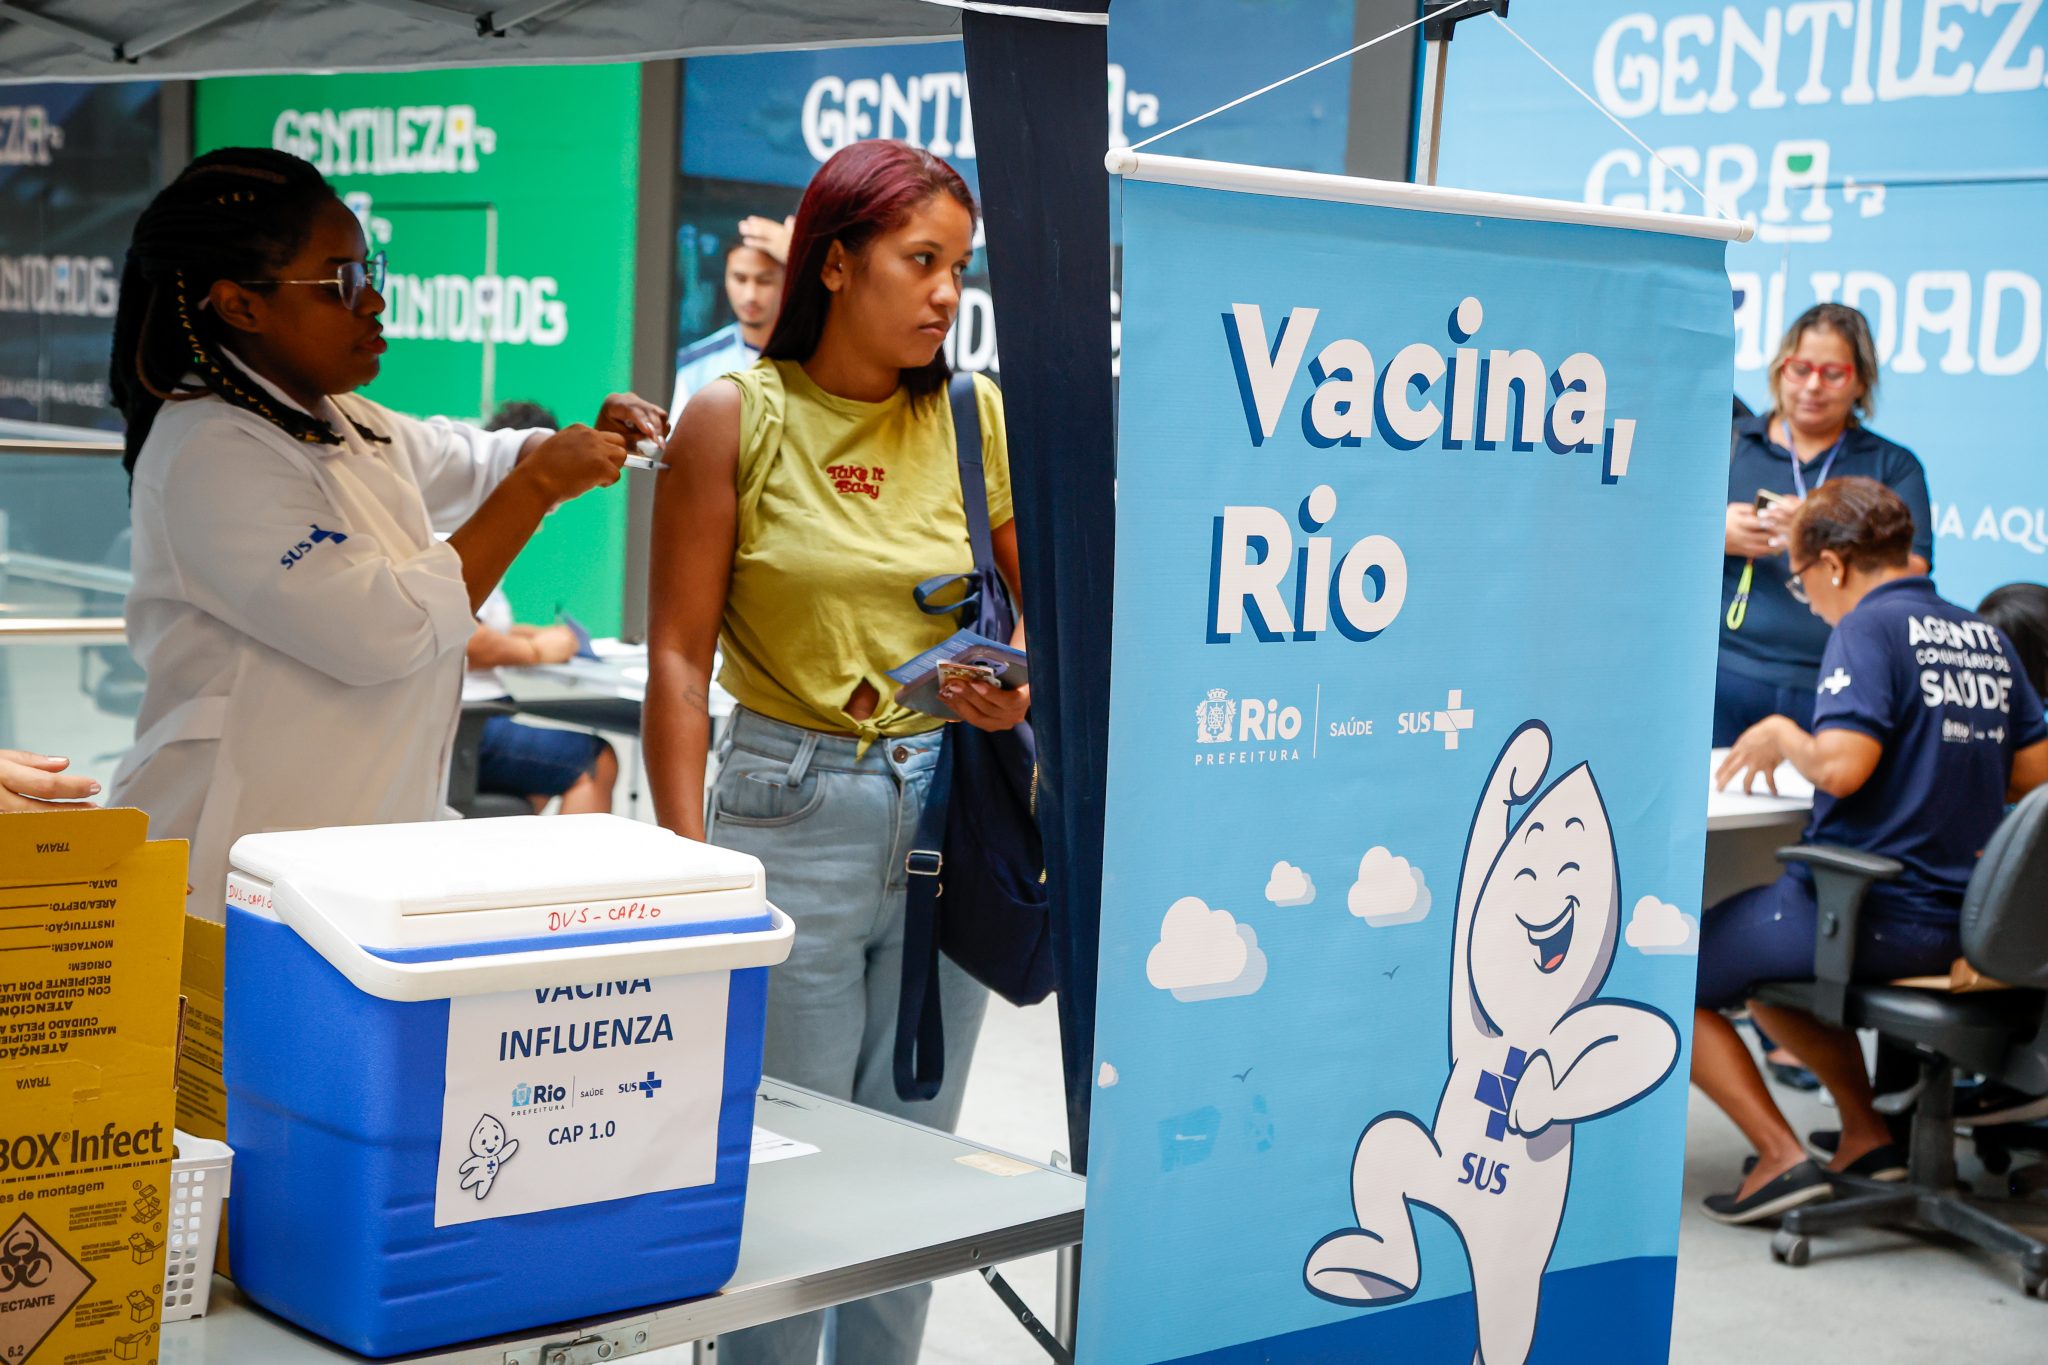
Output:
[[977, 871]]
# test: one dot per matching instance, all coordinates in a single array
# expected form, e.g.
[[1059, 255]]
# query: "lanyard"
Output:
[[1738, 608], [1827, 463]]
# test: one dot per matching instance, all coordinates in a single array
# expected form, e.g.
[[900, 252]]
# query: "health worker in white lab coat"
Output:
[[301, 625]]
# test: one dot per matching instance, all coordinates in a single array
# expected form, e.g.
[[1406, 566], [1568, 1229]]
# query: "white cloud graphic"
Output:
[[1289, 885], [1253, 976], [1658, 927], [1106, 1076], [1389, 890], [1205, 954]]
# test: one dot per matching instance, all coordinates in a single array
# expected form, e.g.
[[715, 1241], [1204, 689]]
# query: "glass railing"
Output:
[[67, 682]]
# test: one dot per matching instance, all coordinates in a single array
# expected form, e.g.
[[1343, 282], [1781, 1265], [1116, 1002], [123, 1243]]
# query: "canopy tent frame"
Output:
[[106, 40], [1043, 192]]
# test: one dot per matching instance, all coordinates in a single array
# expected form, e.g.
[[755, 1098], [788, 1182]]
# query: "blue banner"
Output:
[[77, 165], [774, 117], [1893, 155], [1406, 804], [757, 125]]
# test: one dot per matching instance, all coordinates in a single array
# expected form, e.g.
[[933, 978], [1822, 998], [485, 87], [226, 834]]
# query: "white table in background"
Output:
[[1745, 831], [882, 1204], [605, 694]]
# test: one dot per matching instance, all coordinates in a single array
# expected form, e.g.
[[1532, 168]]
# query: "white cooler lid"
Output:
[[473, 907], [376, 878]]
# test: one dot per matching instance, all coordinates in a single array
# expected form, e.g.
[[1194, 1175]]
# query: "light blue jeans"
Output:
[[833, 830]]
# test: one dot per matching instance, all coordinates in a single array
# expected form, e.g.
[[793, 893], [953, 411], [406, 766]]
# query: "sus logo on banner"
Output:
[[1418, 514]]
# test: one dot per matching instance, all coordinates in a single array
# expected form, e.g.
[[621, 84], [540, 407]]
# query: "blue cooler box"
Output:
[[488, 1075]]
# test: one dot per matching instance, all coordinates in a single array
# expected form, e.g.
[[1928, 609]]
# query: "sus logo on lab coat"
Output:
[[1534, 1052], [305, 547]]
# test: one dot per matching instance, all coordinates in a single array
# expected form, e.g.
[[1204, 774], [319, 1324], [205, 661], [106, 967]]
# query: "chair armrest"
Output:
[[1841, 877], [469, 734], [1853, 862]]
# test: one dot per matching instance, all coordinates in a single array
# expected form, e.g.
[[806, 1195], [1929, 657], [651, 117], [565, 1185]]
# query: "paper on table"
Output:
[[995, 1163], [1789, 781], [775, 1147]]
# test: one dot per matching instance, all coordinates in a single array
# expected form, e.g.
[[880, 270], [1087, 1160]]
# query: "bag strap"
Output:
[[919, 1064], [973, 479], [964, 586], [920, 1060]]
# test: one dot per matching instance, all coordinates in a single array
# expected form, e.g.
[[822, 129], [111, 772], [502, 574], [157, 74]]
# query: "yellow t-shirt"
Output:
[[844, 507]]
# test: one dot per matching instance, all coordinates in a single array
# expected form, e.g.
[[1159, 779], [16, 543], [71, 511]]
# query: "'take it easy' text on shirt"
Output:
[[1781, 640], [1941, 689]]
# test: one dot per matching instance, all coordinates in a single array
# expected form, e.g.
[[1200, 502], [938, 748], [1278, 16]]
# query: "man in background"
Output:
[[753, 287]]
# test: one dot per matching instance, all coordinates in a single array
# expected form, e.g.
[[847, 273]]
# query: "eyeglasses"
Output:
[[1796, 584], [1831, 376], [351, 277]]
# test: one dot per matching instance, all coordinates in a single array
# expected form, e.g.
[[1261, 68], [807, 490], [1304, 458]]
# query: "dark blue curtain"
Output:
[[1041, 125]]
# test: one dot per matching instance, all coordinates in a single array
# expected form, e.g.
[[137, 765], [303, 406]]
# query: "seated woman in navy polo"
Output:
[[1924, 726]]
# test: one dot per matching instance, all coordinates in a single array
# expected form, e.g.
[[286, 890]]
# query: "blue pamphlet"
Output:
[[576, 628], [1001, 664]]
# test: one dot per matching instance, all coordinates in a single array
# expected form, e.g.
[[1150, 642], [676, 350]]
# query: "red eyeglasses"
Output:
[[1831, 376]]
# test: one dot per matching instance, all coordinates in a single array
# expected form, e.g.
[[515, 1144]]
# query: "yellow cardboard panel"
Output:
[[91, 942]]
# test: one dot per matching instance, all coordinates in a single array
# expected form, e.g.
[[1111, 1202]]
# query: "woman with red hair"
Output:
[[805, 498]]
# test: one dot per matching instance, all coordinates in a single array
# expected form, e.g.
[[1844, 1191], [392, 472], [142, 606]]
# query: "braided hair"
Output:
[[237, 214]]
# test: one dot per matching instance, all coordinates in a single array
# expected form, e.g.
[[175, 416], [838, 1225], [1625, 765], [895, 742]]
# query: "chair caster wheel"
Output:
[[1788, 1248], [2034, 1286]]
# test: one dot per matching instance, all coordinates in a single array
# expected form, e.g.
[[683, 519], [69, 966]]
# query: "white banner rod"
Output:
[[1226, 175]]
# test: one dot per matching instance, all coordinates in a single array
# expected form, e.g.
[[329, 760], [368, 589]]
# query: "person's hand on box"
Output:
[[38, 782]]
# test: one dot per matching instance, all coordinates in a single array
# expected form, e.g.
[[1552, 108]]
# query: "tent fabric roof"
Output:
[[103, 40]]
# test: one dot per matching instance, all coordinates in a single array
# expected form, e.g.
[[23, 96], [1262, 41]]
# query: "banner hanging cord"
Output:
[[1607, 114], [1712, 207], [1307, 70]]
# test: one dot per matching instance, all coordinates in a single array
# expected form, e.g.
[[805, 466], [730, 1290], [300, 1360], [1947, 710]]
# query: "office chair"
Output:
[[463, 759], [1997, 1033]]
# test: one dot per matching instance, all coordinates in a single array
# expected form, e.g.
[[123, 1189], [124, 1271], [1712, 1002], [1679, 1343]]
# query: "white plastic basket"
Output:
[[199, 1186]]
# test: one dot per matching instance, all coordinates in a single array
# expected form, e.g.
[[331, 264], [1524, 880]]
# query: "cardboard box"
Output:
[[91, 938], [202, 1093], [202, 1096]]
